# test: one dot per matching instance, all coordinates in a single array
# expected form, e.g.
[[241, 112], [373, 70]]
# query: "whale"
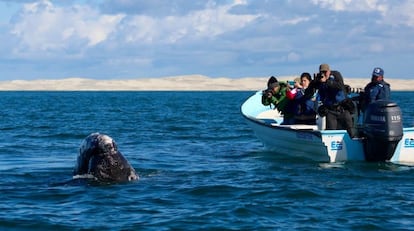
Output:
[[100, 160]]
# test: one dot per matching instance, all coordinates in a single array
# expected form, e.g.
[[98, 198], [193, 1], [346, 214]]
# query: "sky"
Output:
[[128, 39]]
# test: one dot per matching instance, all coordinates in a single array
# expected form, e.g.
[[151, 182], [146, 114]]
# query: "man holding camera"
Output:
[[275, 95], [335, 104]]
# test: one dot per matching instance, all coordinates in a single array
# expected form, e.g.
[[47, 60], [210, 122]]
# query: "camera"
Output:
[[268, 93], [319, 76], [291, 84]]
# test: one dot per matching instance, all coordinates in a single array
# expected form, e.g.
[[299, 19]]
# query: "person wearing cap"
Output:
[[377, 89], [331, 90]]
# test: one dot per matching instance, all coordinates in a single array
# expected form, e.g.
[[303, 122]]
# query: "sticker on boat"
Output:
[[409, 143], [336, 145]]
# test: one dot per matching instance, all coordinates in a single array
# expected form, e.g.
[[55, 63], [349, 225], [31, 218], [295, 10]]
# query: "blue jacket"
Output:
[[332, 92], [376, 91], [304, 105]]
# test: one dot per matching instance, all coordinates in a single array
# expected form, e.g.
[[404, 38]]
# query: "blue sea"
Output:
[[200, 168]]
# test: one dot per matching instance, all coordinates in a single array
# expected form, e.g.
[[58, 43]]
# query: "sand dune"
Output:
[[180, 83]]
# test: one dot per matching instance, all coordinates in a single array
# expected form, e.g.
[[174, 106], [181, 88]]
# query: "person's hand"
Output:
[[323, 110]]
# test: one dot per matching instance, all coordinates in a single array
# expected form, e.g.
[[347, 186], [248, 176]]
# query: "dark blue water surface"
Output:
[[201, 168]]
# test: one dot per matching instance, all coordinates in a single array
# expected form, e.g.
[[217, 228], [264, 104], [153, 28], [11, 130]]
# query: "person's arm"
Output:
[[337, 82], [310, 91], [282, 100], [373, 93], [269, 100], [299, 95]]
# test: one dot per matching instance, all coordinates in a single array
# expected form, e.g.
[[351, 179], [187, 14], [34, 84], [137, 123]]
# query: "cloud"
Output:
[[153, 8], [197, 25], [48, 31], [293, 56], [352, 5], [400, 14], [133, 38], [44, 27]]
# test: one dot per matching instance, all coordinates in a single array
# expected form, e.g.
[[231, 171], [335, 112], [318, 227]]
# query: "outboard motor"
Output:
[[383, 130]]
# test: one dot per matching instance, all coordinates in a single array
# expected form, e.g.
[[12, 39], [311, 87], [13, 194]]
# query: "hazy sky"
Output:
[[123, 39]]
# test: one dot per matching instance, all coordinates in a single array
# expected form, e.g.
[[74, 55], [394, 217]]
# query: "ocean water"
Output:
[[200, 167]]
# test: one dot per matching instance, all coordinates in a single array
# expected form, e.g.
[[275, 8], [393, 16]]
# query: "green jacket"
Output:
[[278, 99]]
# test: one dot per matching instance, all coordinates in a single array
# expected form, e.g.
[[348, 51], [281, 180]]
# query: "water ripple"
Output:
[[200, 167]]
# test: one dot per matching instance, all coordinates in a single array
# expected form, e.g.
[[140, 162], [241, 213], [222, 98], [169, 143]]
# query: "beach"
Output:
[[173, 83]]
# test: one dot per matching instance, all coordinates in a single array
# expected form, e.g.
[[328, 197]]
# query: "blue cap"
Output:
[[378, 71]]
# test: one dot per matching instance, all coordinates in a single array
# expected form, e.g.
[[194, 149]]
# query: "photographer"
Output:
[[275, 95], [335, 104]]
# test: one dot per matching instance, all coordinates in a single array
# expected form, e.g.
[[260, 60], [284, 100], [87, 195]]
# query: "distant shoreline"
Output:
[[175, 83]]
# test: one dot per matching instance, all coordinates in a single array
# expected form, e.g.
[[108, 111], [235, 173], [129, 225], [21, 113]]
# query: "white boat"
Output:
[[309, 141]]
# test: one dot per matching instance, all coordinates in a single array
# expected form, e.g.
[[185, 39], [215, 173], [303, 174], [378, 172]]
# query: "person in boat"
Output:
[[271, 80], [336, 106], [377, 89], [292, 90], [304, 106], [275, 95]]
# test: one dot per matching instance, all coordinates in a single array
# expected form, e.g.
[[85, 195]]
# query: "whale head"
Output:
[[99, 157]]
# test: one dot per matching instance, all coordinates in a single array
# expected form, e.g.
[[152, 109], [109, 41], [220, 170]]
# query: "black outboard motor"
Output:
[[383, 130]]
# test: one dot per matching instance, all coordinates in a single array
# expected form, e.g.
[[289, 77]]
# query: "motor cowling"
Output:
[[383, 130]]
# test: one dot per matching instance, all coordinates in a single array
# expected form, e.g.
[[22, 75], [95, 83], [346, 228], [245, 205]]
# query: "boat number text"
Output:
[[336, 145], [394, 118], [409, 143]]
